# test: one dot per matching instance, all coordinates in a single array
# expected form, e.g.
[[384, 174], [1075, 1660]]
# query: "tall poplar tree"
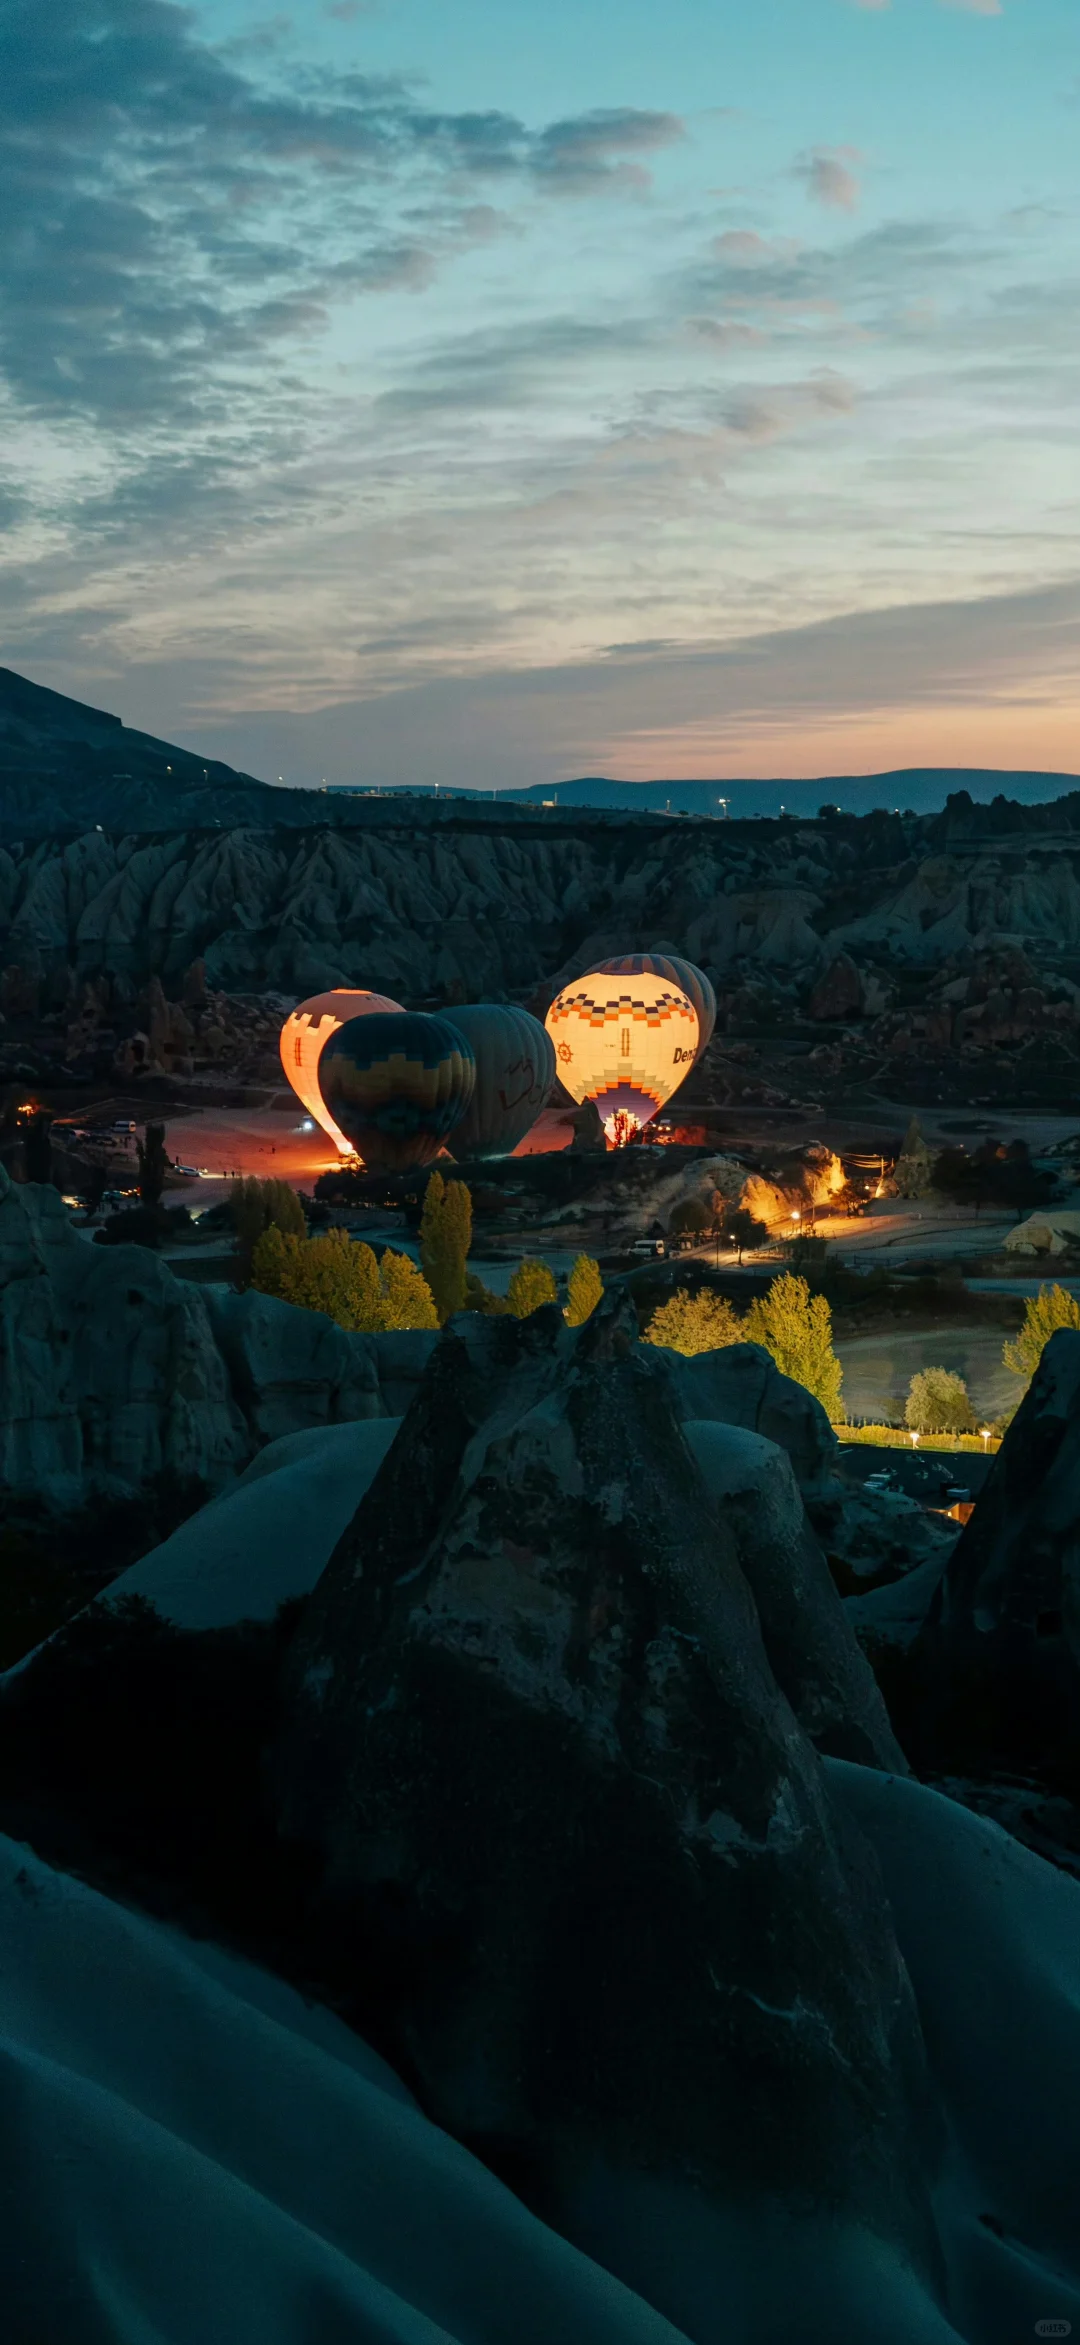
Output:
[[445, 1238]]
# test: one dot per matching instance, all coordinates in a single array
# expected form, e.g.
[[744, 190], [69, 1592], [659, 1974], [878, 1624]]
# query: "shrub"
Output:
[[807, 1253], [531, 1286], [745, 1230], [445, 1238], [795, 1328], [694, 1323], [938, 1402], [1046, 1312], [584, 1290], [479, 1297]]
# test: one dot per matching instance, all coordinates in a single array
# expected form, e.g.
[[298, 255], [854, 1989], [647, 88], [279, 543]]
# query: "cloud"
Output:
[[577, 155], [860, 686], [829, 179], [170, 211]]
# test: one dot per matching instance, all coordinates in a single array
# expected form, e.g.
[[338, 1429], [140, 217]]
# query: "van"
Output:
[[649, 1250]]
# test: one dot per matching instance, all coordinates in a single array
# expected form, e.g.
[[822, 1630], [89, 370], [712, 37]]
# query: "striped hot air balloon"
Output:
[[396, 1086], [515, 1072], [690, 980], [625, 1042], [304, 1036]]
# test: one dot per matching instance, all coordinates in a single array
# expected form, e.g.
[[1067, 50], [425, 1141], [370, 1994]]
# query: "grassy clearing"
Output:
[[894, 1437]]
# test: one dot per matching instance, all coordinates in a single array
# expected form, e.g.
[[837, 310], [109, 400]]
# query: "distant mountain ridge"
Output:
[[66, 766], [914, 789]]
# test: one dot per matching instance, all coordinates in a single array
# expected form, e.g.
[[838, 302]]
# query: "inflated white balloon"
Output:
[[625, 1042]]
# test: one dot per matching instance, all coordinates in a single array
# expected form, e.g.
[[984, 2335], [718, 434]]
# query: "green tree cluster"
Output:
[[795, 1328], [343, 1280], [261, 1205], [445, 1238], [938, 1402], [694, 1323], [1049, 1310]]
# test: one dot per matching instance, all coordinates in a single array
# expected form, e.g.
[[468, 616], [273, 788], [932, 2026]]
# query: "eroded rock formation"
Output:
[[538, 1740], [996, 1669], [114, 1372]]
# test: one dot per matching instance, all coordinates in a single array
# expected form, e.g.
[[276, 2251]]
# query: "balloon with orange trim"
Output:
[[625, 1042], [690, 980], [304, 1037]]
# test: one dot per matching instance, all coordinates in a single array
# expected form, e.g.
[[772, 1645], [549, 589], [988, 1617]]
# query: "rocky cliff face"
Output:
[[780, 917], [113, 1372], [996, 1669], [540, 1745]]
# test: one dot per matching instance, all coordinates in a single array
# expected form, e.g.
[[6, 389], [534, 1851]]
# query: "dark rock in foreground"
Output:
[[996, 1670], [537, 1742]]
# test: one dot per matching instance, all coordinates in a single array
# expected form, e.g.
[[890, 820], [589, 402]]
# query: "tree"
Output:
[[745, 1231], [691, 1217], [407, 1296], [93, 1183], [796, 1329], [938, 1402], [342, 1280], [531, 1286], [694, 1323], [445, 1238], [1050, 1309], [37, 1147], [584, 1290], [261, 1205], [154, 1163]]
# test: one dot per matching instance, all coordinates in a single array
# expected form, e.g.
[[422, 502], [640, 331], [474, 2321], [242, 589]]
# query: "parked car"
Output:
[[649, 1250]]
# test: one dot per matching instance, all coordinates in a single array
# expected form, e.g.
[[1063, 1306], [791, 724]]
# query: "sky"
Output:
[[491, 391]]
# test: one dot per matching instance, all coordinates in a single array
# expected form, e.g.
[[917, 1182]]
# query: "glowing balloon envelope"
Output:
[[304, 1037], [690, 980], [625, 1042], [397, 1085], [515, 1071]]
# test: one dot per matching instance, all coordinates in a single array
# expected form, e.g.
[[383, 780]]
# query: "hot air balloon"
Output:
[[690, 980], [303, 1037], [396, 1085], [515, 1070], [625, 1042]]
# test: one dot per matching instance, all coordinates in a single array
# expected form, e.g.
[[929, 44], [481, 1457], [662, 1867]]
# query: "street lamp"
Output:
[[914, 1441], [985, 1431]]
